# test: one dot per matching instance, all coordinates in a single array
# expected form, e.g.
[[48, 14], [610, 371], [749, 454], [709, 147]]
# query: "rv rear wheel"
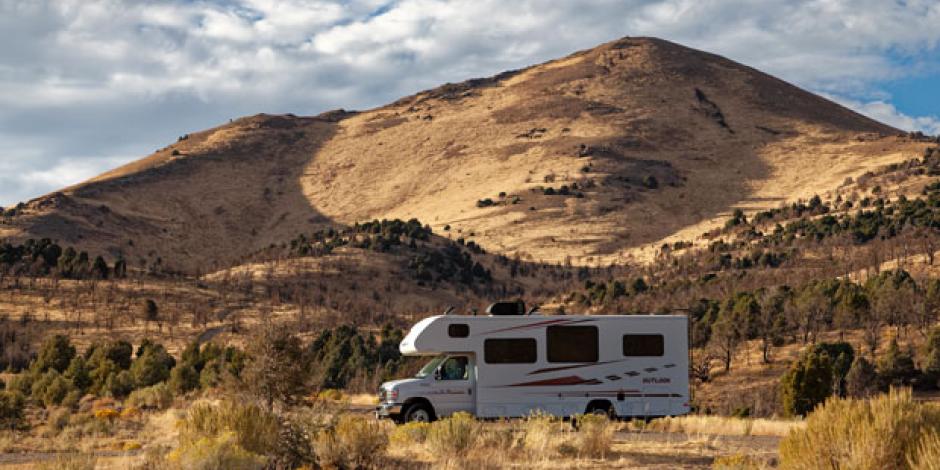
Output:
[[419, 413]]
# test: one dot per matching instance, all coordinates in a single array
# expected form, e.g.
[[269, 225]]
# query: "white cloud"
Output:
[[888, 114], [89, 79]]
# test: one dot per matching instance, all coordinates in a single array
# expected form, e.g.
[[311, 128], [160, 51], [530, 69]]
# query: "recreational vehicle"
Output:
[[510, 364]]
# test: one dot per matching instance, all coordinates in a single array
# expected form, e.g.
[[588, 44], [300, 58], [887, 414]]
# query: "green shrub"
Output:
[[11, 409], [119, 352], [184, 378], [157, 397], [119, 385], [451, 437], [22, 383], [55, 353], [255, 429], [78, 373], [51, 388], [152, 365], [220, 452], [355, 442], [100, 371], [882, 432]]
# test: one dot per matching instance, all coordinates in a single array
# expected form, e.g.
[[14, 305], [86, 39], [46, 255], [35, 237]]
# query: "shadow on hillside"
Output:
[[230, 191]]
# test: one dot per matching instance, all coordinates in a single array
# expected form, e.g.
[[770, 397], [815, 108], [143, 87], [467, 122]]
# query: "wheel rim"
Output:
[[420, 415]]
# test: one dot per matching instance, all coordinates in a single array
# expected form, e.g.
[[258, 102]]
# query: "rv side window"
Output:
[[572, 343], [509, 351], [458, 330], [643, 345]]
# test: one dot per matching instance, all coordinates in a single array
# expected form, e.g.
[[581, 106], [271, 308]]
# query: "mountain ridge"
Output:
[[592, 158]]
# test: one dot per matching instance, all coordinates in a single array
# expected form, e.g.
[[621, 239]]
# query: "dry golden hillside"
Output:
[[595, 158]]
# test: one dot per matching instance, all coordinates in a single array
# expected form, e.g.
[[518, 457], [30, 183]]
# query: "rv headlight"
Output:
[[387, 395]]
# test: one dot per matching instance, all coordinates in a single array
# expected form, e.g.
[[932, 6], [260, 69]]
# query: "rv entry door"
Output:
[[454, 384]]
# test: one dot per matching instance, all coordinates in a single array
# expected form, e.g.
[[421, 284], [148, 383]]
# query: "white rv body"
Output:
[[623, 365]]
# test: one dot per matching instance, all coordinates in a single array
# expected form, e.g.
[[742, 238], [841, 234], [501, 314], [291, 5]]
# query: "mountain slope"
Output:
[[594, 157]]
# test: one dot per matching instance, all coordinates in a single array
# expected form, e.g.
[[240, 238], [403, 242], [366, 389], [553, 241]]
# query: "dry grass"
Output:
[[926, 456], [218, 452], [594, 437], [543, 434], [451, 437], [209, 439], [725, 426], [887, 431], [354, 442], [253, 428]]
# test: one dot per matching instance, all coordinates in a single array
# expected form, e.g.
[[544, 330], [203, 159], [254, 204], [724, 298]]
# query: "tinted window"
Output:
[[643, 345], [509, 351], [572, 343], [458, 330]]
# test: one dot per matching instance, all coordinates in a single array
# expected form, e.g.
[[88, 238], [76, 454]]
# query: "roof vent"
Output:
[[506, 308]]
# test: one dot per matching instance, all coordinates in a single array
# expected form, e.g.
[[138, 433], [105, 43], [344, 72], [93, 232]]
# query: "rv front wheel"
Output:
[[419, 413], [601, 408]]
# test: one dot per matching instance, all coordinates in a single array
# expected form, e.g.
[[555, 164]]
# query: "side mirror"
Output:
[[437, 374]]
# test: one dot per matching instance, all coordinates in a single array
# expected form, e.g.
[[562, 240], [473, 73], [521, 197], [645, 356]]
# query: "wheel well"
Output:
[[417, 401], [605, 405]]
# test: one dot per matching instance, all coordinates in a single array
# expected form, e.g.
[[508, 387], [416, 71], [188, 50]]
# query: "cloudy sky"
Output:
[[86, 85]]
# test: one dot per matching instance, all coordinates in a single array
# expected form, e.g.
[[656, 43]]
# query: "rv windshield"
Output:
[[429, 368]]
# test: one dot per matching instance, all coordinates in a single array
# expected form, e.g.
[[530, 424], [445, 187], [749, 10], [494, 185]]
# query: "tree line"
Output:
[[45, 258], [276, 367]]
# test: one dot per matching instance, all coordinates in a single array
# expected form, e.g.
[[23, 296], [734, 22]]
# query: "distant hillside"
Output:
[[594, 158]]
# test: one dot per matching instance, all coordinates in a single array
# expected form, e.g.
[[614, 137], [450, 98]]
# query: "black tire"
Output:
[[418, 412], [601, 409]]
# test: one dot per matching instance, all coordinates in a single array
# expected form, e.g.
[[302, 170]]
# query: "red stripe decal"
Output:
[[575, 366], [570, 380]]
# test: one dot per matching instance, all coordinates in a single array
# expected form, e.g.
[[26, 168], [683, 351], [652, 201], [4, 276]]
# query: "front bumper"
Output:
[[388, 410]]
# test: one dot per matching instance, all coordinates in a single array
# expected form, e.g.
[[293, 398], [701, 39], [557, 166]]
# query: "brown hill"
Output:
[[595, 158]]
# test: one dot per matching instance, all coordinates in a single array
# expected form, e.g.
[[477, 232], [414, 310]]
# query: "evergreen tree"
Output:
[[151, 311], [862, 379], [896, 367], [152, 366], [932, 360], [78, 373], [56, 353], [120, 268], [99, 268], [806, 384]]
